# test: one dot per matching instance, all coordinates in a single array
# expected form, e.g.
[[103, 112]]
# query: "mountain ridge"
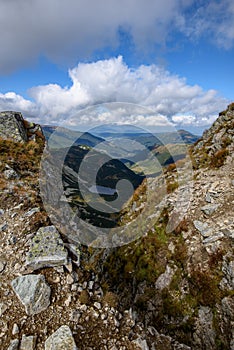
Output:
[[167, 290]]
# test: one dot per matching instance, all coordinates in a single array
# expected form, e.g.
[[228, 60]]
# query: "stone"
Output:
[[3, 227], [209, 209], [15, 329], [32, 212], [214, 238], [3, 308], [46, 249], [203, 228], [141, 343], [165, 278], [61, 339], [204, 335], [97, 305], [14, 345], [10, 174], [228, 272], [208, 197], [1, 212], [2, 266], [33, 292], [12, 127], [28, 342]]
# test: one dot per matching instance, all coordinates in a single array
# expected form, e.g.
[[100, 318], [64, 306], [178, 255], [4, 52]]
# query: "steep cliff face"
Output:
[[164, 291]]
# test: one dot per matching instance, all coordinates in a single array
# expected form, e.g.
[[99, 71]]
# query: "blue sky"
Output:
[[174, 57]]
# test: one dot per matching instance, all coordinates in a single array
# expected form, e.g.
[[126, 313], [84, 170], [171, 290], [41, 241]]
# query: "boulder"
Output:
[[28, 342], [14, 345], [61, 339], [12, 127], [46, 249], [33, 292]]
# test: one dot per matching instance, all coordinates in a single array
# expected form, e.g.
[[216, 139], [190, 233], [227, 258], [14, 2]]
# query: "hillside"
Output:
[[171, 289]]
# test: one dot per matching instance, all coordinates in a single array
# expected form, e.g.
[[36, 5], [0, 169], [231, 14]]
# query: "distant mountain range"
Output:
[[65, 136]]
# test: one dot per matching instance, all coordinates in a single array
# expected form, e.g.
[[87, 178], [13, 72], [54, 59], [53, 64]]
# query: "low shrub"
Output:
[[218, 159]]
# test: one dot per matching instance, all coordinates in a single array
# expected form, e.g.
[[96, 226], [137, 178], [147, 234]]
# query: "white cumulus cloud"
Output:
[[105, 81]]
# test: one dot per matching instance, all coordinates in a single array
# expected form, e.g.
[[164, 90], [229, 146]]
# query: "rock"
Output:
[[141, 343], [208, 197], [28, 342], [32, 212], [165, 278], [69, 279], [60, 340], [228, 271], [2, 265], [204, 335], [75, 251], [3, 308], [203, 228], [10, 174], [1, 212], [97, 305], [15, 329], [3, 227], [14, 345], [228, 318], [228, 233], [46, 249], [12, 127], [214, 238], [33, 292], [209, 209]]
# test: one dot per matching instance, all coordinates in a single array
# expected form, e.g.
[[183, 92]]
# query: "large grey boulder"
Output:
[[60, 340], [46, 249], [12, 127], [33, 292]]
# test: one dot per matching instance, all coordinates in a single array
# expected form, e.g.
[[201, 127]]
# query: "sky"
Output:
[[172, 57]]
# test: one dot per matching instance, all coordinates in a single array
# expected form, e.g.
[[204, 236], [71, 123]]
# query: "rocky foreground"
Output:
[[166, 291]]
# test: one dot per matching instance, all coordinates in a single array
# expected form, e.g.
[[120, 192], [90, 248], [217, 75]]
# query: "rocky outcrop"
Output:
[[216, 143], [14, 127]]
